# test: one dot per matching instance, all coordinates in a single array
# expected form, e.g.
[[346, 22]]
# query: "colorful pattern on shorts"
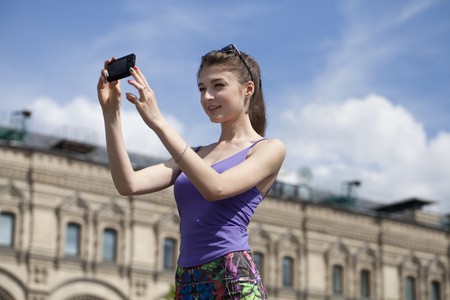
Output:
[[231, 277]]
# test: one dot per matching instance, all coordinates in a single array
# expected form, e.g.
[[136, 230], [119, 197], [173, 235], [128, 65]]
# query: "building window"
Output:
[[169, 253], [338, 273], [258, 260], [7, 229], [73, 239], [365, 284], [410, 288], [288, 271], [435, 290], [109, 244]]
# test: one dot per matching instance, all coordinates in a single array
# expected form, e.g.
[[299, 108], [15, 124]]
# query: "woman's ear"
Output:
[[249, 89]]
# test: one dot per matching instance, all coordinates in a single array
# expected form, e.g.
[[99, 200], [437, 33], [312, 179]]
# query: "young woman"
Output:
[[217, 187]]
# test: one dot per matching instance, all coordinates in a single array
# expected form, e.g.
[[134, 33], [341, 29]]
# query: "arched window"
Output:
[[338, 280], [410, 288], [72, 239], [258, 259], [288, 271], [169, 253], [365, 284], [109, 244], [5, 295], [7, 221], [436, 290]]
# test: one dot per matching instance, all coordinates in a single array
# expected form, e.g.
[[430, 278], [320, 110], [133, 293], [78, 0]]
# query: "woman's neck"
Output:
[[238, 131]]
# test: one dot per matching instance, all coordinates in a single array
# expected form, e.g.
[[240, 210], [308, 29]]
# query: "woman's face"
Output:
[[222, 96]]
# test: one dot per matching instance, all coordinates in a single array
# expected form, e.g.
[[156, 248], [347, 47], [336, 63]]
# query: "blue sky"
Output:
[[356, 89]]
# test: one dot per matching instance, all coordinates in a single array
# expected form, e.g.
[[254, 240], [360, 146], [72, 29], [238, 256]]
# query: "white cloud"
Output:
[[82, 120], [373, 140], [342, 136], [78, 119]]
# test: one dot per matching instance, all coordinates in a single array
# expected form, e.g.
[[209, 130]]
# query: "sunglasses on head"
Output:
[[231, 48]]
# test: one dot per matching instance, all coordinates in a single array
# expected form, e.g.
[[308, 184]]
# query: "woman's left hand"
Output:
[[146, 102]]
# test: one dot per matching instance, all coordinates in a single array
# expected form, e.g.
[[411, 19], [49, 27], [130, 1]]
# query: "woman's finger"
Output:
[[108, 61], [105, 73], [137, 74], [131, 97], [138, 84], [104, 76], [141, 87], [101, 82], [141, 75]]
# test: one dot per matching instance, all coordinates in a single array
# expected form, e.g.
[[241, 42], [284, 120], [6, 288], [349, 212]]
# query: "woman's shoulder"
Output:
[[273, 143], [269, 147]]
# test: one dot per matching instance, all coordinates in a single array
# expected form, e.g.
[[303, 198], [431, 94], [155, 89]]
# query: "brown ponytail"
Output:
[[232, 62]]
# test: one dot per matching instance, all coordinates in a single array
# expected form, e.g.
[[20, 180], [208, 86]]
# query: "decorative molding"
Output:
[[74, 202], [337, 251], [10, 192], [40, 274], [140, 287]]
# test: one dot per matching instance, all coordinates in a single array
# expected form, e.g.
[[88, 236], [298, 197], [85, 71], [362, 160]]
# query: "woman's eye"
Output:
[[220, 85], [201, 89]]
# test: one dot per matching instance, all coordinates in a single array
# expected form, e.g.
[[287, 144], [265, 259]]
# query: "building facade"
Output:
[[66, 234]]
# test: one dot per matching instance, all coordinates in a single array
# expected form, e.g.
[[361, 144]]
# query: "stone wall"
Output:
[[46, 191]]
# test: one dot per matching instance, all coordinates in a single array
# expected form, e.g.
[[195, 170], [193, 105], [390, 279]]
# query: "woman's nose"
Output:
[[207, 95]]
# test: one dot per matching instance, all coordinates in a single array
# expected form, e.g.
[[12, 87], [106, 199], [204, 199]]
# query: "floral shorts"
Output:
[[231, 277]]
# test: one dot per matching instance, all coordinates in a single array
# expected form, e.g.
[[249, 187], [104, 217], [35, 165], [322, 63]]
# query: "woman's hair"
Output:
[[230, 61]]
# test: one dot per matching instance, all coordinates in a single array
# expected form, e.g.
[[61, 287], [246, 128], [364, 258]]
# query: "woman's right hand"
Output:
[[109, 93]]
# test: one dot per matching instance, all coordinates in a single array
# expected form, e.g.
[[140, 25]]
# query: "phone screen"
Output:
[[120, 68], [117, 67]]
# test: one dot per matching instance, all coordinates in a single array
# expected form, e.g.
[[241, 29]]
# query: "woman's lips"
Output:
[[213, 108]]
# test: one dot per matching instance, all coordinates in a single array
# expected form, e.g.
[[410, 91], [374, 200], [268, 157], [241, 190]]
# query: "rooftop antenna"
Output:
[[349, 188], [348, 193]]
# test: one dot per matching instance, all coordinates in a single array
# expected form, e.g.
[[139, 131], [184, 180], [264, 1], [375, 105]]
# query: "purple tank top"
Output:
[[210, 230]]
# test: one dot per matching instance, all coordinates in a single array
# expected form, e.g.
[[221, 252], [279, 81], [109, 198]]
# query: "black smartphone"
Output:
[[120, 68]]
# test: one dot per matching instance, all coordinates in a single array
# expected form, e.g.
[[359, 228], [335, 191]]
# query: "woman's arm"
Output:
[[265, 161], [126, 180]]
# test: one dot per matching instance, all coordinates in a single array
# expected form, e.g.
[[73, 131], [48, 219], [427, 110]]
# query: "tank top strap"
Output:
[[257, 143]]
